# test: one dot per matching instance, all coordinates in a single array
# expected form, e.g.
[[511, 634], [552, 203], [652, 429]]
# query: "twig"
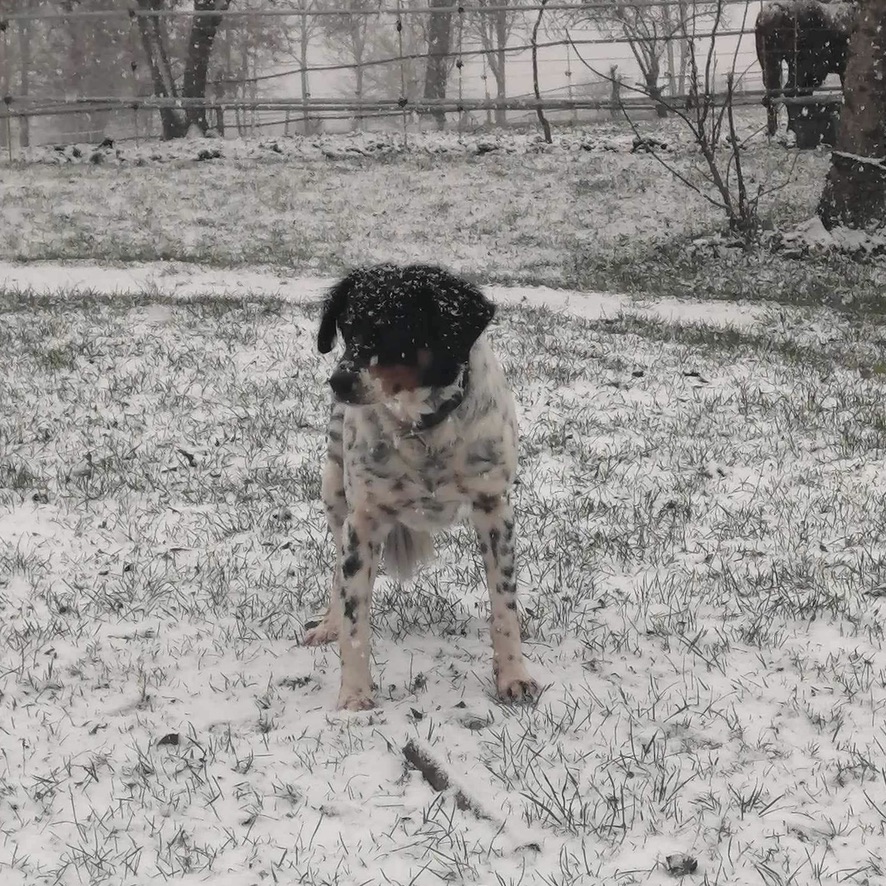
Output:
[[539, 110], [670, 168], [434, 774]]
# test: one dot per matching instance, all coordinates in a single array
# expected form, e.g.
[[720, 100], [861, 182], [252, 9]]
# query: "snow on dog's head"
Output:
[[405, 329]]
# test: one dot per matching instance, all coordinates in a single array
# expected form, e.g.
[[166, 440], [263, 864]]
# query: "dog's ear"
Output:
[[466, 314], [333, 307]]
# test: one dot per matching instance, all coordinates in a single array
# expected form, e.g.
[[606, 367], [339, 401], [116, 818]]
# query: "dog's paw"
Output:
[[355, 699], [324, 632], [517, 687]]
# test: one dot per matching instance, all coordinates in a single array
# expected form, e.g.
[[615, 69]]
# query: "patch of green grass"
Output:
[[679, 269]]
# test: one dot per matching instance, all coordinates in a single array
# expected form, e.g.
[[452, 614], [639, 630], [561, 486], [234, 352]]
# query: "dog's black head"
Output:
[[404, 328]]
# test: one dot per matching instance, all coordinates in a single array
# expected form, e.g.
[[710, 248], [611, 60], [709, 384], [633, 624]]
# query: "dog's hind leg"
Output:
[[333, 495], [493, 517]]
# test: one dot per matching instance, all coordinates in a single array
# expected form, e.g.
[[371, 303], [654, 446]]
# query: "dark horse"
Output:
[[811, 37]]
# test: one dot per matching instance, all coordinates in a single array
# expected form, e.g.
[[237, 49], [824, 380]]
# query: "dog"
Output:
[[423, 429]]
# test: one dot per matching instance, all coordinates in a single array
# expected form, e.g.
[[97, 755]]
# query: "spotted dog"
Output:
[[423, 430]]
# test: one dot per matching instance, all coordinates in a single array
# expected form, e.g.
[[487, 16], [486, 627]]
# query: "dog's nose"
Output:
[[343, 383]]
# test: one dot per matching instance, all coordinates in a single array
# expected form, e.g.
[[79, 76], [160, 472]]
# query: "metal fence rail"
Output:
[[296, 12], [319, 90]]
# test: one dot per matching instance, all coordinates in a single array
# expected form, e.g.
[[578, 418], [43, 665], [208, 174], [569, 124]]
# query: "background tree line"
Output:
[[214, 56]]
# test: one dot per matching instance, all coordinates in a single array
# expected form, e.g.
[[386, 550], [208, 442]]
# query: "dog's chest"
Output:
[[407, 461], [425, 479]]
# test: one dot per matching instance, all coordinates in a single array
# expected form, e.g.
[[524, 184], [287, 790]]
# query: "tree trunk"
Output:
[[501, 41], [614, 92], [684, 48], [437, 70], [154, 45], [855, 190], [539, 110], [654, 90], [203, 31]]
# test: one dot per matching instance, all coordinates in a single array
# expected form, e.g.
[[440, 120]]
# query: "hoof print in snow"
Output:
[[680, 865], [171, 738]]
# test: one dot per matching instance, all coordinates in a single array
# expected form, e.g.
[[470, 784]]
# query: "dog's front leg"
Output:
[[333, 491], [360, 547], [494, 520]]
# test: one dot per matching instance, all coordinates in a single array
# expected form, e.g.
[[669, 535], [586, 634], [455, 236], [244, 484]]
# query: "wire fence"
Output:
[[98, 70]]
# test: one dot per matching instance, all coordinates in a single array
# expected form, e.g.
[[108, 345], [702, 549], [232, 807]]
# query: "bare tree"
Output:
[[492, 29], [652, 29], [155, 43], [855, 190], [709, 117], [197, 52], [539, 110], [203, 30], [349, 35], [77, 57], [26, 62], [308, 25], [439, 62], [247, 45]]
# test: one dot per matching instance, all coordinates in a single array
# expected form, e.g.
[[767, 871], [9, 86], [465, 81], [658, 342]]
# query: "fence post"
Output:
[[615, 94], [459, 64], [404, 98], [569, 92], [7, 77]]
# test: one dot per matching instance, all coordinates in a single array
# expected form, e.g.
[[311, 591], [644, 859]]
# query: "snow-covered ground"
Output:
[[183, 281], [502, 207], [701, 524]]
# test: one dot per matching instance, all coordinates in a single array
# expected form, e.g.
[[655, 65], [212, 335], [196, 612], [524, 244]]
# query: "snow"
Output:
[[812, 235], [181, 281], [700, 541], [700, 545]]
